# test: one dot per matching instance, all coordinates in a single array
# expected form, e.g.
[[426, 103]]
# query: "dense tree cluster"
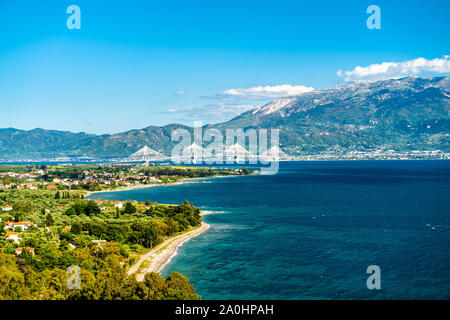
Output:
[[45, 277], [88, 208], [147, 229]]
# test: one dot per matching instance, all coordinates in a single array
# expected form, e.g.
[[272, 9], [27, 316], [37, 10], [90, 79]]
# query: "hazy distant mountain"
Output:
[[125, 143], [37, 143], [404, 114]]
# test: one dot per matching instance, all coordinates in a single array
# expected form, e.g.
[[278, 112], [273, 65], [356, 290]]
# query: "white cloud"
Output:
[[233, 102], [266, 92], [181, 92], [213, 113], [394, 70], [172, 110]]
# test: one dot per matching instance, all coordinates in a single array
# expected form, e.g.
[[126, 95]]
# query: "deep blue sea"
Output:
[[311, 231]]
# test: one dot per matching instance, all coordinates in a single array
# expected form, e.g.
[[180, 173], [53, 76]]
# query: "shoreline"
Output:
[[143, 186], [162, 254]]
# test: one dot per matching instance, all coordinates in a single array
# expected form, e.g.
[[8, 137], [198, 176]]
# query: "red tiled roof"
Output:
[[11, 234]]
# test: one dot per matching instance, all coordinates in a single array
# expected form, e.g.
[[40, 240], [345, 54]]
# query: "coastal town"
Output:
[[290, 154]]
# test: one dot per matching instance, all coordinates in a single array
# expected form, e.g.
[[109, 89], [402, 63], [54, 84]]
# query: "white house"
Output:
[[118, 204], [14, 236], [100, 243], [22, 224], [7, 208], [19, 250]]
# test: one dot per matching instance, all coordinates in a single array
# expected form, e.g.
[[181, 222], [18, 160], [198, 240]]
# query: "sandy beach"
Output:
[[142, 186], [159, 256], [139, 186]]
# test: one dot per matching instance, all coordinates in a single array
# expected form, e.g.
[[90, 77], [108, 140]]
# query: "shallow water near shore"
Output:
[[311, 231]]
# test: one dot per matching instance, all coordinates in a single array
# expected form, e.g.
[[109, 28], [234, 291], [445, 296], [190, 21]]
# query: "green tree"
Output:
[[12, 282], [129, 208], [2, 229], [7, 180], [91, 208], [22, 208], [71, 212], [156, 286], [63, 246], [49, 221], [179, 288], [76, 228]]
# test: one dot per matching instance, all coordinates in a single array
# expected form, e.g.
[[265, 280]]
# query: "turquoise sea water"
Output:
[[311, 231]]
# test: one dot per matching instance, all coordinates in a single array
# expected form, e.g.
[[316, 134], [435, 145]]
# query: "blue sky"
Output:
[[139, 63]]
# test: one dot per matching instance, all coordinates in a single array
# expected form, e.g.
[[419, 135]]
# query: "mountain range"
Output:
[[399, 114]]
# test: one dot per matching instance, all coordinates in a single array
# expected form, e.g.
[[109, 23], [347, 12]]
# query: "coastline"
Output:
[[140, 186], [159, 256]]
